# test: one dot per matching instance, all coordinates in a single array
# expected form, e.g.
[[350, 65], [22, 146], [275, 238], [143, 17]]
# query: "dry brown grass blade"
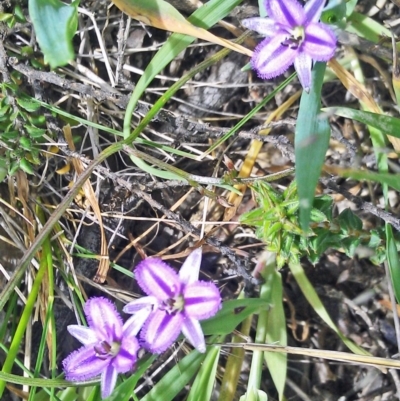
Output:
[[360, 92], [379, 363], [251, 157], [104, 261], [162, 15]]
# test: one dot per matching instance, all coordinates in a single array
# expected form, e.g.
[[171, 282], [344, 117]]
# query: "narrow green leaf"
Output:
[[204, 383], [176, 379], [387, 124], [311, 143], [209, 14], [124, 391], [20, 331], [393, 261], [367, 27], [314, 300], [392, 180], [232, 313], [55, 25], [276, 332]]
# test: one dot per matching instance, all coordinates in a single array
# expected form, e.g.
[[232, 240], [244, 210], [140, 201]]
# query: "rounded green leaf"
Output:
[[55, 25]]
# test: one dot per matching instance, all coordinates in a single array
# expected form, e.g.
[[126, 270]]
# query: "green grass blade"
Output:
[[251, 114], [311, 143], [367, 27], [387, 124], [276, 330], [176, 379], [314, 300], [206, 16], [124, 391], [19, 334], [393, 261], [233, 312], [204, 383], [386, 179]]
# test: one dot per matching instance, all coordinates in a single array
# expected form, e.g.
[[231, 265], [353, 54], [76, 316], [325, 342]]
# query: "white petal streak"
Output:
[[83, 334], [313, 10], [264, 26], [133, 325], [303, 64], [191, 329], [189, 272], [108, 381], [271, 58], [139, 304]]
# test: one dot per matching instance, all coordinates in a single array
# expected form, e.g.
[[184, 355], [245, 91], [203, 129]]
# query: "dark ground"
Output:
[[353, 290]]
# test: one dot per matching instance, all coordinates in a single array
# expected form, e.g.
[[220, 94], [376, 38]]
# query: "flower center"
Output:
[[295, 39], [104, 350], [173, 305]]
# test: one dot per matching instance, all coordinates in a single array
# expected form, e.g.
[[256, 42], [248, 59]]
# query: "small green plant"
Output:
[[21, 131], [277, 224]]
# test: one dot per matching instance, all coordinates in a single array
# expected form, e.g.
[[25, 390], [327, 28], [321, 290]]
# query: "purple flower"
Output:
[[178, 302], [293, 35], [109, 347]]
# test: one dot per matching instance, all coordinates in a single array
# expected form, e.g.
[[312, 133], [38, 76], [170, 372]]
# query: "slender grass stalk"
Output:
[[19, 334]]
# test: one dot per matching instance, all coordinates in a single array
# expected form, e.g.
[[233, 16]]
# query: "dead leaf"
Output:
[[162, 15], [104, 263]]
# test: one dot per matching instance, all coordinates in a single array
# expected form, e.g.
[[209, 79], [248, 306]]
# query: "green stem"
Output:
[[258, 356], [16, 341]]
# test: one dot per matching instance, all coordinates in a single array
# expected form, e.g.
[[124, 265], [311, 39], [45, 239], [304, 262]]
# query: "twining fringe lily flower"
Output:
[[109, 347], [293, 35], [177, 302]]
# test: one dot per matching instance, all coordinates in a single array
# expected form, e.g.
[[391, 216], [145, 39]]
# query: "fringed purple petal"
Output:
[[133, 325], [108, 381], [202, 300], [83, 364], [157, 278], [191, 329], [103, 318], [126, 357], [303, 64], [287, 13], [189, 272], [313, 10], [161, 330], [319, 43], [83, 334], [271, 58], [264, 26]]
